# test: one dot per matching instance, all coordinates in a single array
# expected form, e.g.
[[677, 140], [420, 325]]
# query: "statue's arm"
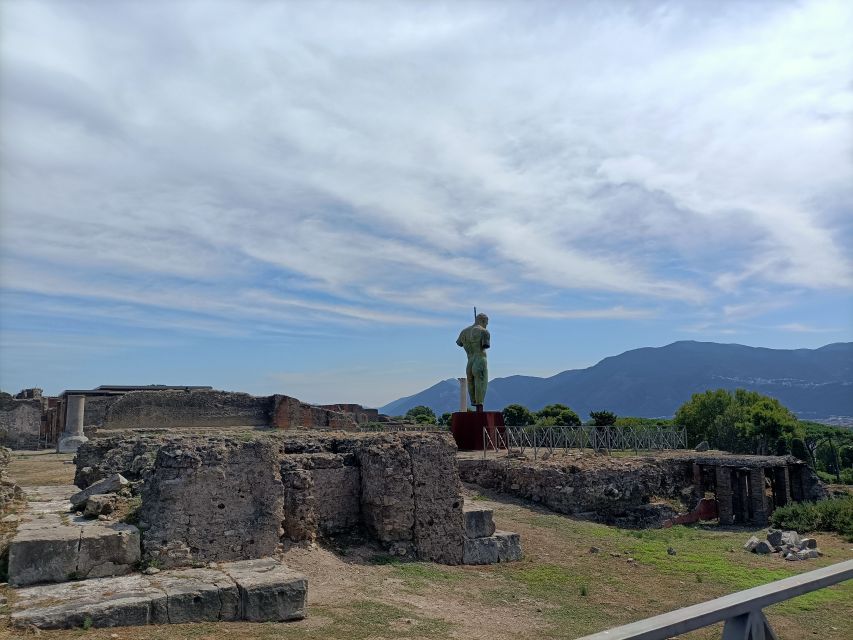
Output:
[[459, 340], [486, 341]]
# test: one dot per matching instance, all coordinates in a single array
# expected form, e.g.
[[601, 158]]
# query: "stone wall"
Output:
[[223, 498], [290, 413], [211, 500], [9, 491], [95, 410], [177, 409], [612, 490], [20, 423]]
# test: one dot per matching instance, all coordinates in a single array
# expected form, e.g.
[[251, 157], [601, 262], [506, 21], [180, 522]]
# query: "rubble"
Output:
[[788, 544]]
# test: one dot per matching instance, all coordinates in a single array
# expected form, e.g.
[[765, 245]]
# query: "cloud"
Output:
[[362, 162]]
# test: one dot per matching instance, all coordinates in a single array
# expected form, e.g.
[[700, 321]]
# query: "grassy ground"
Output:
[[560, 590]]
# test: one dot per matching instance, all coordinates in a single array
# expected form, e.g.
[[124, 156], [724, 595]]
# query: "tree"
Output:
[[558, 415], [846, 455], [444, 419], [798, 449], [421, 414], [516, 415], [602, 418]]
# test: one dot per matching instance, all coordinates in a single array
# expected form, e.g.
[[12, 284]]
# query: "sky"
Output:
[[309, 198]]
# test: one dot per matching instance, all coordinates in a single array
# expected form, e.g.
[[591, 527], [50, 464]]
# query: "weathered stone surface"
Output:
[[131, 457], [108, 485], [808, 554], [438, 529], [479, 521], [387, 494], [195, 595], [774, 537], [480, 550], [212, 499], [790, 537], [509, 546], [106, 602], [763, 547], [751, 544], [808, 543], [100, 504], [107, 550], [269, 591], [702, 446], [47, 554], [20, 423]]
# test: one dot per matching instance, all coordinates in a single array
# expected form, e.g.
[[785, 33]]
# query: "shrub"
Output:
[[827, 515]]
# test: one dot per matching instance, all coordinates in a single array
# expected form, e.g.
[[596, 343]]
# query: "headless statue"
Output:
[[475, 340]]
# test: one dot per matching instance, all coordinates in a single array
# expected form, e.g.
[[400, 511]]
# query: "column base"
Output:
[[70, 444]]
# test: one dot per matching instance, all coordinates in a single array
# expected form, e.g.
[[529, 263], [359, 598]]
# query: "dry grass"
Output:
[[559, 590], [29, 468]]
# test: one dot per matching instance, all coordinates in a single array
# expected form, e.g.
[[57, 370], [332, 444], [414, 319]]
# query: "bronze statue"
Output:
[[475, 340]]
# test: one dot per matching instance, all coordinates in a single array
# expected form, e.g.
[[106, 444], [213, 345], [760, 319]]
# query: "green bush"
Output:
[[827, 515]]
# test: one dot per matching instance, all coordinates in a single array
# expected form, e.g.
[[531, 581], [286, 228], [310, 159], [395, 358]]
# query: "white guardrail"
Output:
[[741, 611]]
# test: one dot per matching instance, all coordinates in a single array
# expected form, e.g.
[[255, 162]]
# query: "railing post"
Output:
[[749, 626]]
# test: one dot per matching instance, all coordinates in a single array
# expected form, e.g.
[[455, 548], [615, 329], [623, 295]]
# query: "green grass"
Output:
[[419, 575]]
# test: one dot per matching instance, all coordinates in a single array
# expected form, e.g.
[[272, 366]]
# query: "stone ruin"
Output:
[[210, 504]]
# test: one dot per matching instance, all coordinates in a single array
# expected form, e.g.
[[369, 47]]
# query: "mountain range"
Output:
[[816, 384]]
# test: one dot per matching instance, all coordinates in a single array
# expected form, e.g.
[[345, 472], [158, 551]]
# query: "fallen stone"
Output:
[[150, 571], [791, 557], [774, 537], [702, 446], [480, 550], [269, 591], [808, 543], [109, 484], [808, 554], [751, 544], [509, 546], [791, 537], [100, 504], [670, 551], [763, 547], [478, 522]]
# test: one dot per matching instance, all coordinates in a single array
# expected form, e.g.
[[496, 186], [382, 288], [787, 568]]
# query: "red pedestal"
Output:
[[467, 428]]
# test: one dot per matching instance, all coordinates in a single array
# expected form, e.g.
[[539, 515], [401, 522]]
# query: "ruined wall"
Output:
[[20, 423], [402, 489], [612, 490], [95, 409], [9, 491], [290, 413], [213, 499], [358, 413], [198, 408]]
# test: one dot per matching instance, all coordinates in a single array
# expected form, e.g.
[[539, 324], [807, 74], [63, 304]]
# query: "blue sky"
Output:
[[309, 198]]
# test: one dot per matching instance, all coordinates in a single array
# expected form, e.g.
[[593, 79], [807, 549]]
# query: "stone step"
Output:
[[261, 590], [479, 521], [503, 546]]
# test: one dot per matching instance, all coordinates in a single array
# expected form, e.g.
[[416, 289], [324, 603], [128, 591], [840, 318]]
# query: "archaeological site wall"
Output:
[[221, 498], [20, 423]]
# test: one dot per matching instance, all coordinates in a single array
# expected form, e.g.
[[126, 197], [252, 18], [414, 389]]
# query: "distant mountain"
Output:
[[816, 384]]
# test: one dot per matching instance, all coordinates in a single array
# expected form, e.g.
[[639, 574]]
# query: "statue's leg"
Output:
[[469, 374], [481, 380]]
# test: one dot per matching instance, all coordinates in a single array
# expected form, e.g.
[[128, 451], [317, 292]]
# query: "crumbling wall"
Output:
[[212, 499], [196, 408], [95, 410], [9, 491], [20, 423], [290, 413], [612, 490], [131, 457]]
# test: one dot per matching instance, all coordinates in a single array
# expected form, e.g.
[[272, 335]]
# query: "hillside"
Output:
[[654, 381]]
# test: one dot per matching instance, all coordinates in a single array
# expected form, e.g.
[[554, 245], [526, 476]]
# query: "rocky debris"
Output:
[[9, 491], [670, 551], [110, 484], [788, 544], [702, 446], [100, 505], [503, 546], [131, 455], [258, 591]]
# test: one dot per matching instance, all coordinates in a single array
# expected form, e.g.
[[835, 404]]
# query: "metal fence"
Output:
[[610, 438]]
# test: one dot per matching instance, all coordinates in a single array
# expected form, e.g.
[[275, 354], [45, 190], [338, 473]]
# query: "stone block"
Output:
[[764, 547], [808, 543], [478, 522], [106, 602], [808, 554], [790, 537], [751, 544], [480, 550], [109, 484], [47, 554], [774, 537], [100, 504], [108, 550], [197, 595], [509, 546], [269, 591]]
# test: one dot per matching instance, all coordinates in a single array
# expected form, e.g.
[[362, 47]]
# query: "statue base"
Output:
[[467, 428], [70, 444]]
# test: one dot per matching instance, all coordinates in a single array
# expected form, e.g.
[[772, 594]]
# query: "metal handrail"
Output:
[[742, 611]]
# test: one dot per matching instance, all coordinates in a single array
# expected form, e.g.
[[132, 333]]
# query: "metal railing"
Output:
[[609, 438], [741, 611]]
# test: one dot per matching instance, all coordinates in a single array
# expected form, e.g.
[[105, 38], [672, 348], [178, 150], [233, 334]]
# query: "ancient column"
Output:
[[758, 496], [724, 494], [72, 437], [463, 394]]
